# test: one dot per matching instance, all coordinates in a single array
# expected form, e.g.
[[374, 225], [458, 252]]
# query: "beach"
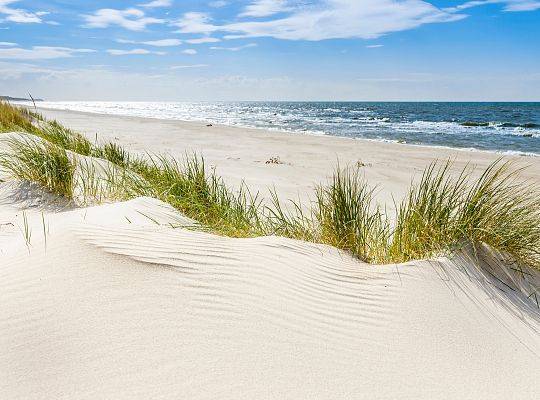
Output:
[[130, 300], [241, 154]]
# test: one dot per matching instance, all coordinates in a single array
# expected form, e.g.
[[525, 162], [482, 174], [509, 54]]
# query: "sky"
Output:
[[220, 50]]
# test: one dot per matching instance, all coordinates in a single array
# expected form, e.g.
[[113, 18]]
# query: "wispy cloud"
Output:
[[325, 19], [18, 15], [508, 5], [118, 52], [40, 53], [190, 52], [265, 8], [156, 43], [374, 46], [202, 40], [218, 3], [8, 44], [196, 22], [238, 48], [131, 19], [175, 67], [157, 3], [522, 5]]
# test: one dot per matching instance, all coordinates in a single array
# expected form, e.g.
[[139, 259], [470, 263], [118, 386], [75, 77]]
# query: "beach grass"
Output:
[[41, 162], [114, 153], [444, 212], [66, 138], [441, 213], [16, 119], [201, 195]]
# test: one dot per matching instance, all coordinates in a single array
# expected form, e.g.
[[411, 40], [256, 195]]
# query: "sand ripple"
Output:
[[117, 305]]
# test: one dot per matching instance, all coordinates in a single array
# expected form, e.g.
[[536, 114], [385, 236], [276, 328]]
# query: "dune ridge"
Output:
[[118, 301]]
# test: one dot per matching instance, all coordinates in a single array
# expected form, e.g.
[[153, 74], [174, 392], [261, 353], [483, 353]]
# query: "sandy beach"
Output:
[[270, 200], [240, 154], [115, 302]]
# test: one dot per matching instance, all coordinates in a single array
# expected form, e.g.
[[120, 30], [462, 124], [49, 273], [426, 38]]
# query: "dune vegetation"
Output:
[[441, 213]]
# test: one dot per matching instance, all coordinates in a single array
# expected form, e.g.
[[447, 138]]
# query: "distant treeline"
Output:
[[9, 98]]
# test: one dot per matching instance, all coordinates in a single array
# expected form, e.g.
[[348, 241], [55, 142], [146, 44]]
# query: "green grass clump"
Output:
[[202, 196], [348, 217], [114, 153], [16, 119], [344, 215], [66, 138], [443, 213], [41, 162]]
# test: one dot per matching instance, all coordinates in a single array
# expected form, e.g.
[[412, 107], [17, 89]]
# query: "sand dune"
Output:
[[120, 302]]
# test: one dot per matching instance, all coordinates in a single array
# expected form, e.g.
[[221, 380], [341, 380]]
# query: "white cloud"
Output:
[[19, 15], [9, 71], [508, 5], [196, 22], [336, 19], [117, 52], [40, 53], [522, 6], [190, 52], [155, 43], [328, 19], [163, 42], [125, 41], [265, 8], [104, 84], [174, 67], [374, 46], [8, 44], [157, 3], [246, 46], [131, 19], [218, 3], [203, 40]]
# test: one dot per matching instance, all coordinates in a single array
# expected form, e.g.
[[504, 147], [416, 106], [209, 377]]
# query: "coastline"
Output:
[[125, 299], [240, 154], [444, 129]]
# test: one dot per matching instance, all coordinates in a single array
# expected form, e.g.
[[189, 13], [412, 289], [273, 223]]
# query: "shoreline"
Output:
[[240, 154], [502, 153]]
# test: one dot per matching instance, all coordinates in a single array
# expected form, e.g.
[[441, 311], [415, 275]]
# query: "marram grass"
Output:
[[16, 119], [41, 162], [201, 195], [440, 214]]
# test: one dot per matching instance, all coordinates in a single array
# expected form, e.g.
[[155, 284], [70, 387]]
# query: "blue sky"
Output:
[[271, 49]]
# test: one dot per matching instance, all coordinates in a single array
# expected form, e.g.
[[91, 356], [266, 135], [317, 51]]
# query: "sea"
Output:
[[509, 128]]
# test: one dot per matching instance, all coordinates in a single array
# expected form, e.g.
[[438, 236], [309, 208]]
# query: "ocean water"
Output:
[[501, 127]]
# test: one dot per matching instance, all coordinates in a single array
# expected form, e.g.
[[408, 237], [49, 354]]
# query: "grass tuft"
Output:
[[114, 153], [39, 161], [17, 119], [202, 196], [348, 217], [443, 213], [66, 138]]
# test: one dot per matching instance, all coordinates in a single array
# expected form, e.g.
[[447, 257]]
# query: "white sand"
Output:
[[111, 302], [241, 154]]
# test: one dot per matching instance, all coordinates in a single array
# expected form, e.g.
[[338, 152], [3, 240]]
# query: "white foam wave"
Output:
[[304, 120]]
